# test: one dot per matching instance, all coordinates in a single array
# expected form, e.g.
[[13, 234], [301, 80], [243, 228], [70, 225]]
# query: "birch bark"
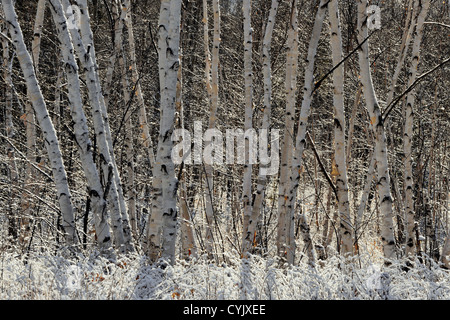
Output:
[[345, 229], [262, 177], [30, 129], [300, 140], [376, 122], [111, 178], [143, 123], [81, 130], [165, 215], [10, 134], [248, 84], [285, 228], [155, 219], [48, 131], [423, 7], [212, 87], [128, 140]]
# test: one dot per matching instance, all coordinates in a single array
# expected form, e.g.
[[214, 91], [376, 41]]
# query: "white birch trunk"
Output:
[[345, 226], [188, 246], [10, 134], [376, 123], [423, 7], [262, 178], [165, 215], [86, 53], [48, 131], [286, 202], [248, 84], [212, 88], [143, 123], [155, 218], [305, 111], [30, 129], [206, 49], [37, 32], [128, 141], [81, 130]]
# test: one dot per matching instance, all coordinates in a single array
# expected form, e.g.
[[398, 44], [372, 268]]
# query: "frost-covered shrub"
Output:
[[131, 277]]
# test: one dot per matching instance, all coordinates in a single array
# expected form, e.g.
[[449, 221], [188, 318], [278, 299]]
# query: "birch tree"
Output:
[[346, 233], [10, 134], [81, 131], [377, 125], [135, 78], [287, 195], [285, 228], [423, 7], [212, 88], [248, 117], [266, 122], [128, 139], [30, 129], [165, 215], [111, 179], [48, 130]]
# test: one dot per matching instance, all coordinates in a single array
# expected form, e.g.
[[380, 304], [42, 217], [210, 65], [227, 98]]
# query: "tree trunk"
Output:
[[423, 7], [49, 133], [247, 239], [128, 139], [345, 226], [300, 140], [10, 134], [168, 47], [266, 121], [30, 172], [377, 124], [81, 130], [135, 78], [111, 179], [212, 88]]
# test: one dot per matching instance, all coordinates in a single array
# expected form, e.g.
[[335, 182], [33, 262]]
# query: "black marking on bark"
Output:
[[337, 124], [94, 193]]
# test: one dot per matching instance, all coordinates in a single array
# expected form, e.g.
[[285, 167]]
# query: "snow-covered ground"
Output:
[[91, 278]]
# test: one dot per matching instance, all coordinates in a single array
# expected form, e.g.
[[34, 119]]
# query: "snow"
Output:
[[95, 278]]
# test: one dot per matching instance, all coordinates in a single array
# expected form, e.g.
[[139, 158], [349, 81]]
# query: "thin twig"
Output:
[[322, 167], [420, 78]]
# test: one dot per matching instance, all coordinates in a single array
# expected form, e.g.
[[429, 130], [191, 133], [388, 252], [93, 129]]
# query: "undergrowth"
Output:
[[91, 277]]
